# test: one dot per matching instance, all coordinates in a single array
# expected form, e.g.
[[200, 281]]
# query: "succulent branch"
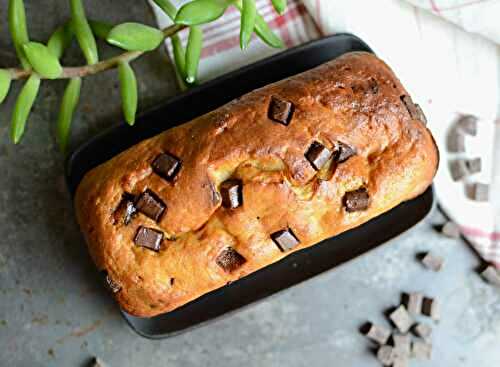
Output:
[[41, 62]]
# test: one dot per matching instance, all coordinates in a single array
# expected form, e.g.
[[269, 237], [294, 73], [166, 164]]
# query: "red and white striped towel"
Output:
[[221, 48], [431, 56]]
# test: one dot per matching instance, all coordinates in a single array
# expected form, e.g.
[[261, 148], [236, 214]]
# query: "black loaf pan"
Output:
[[296, 267]]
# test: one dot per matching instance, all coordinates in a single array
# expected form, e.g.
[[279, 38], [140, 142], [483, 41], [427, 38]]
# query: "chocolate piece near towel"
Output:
[[491, 275], [432, 262], [468, 124], [456, 142], [473, 165], [450, 229], [458, 169], [479, 192]]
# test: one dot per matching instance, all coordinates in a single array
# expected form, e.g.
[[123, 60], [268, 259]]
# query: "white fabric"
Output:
[[476, 16]]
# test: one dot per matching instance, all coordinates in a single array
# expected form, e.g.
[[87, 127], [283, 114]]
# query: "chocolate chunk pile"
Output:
[[461, 167], [410, 337]]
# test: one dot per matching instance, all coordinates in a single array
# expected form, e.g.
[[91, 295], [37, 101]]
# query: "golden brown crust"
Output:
[[354, 99]]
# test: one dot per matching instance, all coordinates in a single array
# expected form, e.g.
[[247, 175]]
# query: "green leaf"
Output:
[[201, 11], [60, 40], [180, 60], [179, 55], [266, 34], [43, 60], [263, 31], [23, 106], [167, 7], [248, 15], [83, 33], [18, 29], [100, 29], [135, 37], [5, 79], [279, 5], [128, 89], [68, 106], [193, 52]]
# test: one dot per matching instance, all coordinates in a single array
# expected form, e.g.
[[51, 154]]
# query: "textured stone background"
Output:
[[53, 311]]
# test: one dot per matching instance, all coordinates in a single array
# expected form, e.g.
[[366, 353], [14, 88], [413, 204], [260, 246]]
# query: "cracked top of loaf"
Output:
[[272, 172]]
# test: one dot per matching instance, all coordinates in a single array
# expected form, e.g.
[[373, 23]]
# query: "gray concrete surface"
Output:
[[54, 312]]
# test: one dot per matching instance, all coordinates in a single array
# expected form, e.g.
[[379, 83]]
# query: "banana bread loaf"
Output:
[[273, 172]]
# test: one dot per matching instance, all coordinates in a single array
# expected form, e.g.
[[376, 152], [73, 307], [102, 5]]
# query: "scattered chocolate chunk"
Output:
[[413, 302], [230, 260], [458, 169], [473, 165], [231, 192], [478, 192], [318, 155], [421, 350], [432, 262], [491, 275], [280, 110], [126, 210], [113, 286], [385, 355], [344, 152], [468, 124], [96, 362], [285, 240], [150, 205], [401, 319], [423, 331], [166, 166], [430, 307], [414, 110], [401, 360], [378, 334], [401, 343], [356, 200], [451, 229], [149, 238], [456, 142]]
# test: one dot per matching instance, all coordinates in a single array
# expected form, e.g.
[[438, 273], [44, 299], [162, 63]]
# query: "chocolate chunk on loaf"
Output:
[[273, 172]]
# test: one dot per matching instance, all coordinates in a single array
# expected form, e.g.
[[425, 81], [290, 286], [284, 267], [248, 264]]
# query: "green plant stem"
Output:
[[82, 71]]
